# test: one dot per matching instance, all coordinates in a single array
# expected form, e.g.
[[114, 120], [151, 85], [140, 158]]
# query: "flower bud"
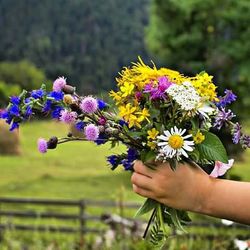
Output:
[[52, 142], [101, 129], [111, 131], [68, 99], [68, 89]]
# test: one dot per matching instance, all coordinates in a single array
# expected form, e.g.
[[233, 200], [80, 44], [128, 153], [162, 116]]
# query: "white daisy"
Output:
[[174, 144]]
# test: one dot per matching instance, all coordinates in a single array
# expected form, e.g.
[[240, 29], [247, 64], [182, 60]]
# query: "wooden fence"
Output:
[[81, 216]]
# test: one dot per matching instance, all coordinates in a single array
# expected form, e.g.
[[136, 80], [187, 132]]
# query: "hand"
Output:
[[183, 188]]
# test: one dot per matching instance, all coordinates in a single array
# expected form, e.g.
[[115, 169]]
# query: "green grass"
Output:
[[75, 170]]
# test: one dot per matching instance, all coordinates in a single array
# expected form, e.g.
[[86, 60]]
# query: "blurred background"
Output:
[[89, 42]]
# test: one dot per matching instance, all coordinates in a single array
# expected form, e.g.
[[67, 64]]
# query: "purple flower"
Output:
[[227, 99], [42, 145], [245, 141], [222, 117], [67, 116], [132, 154], [158, 92], [59, 84], [102, 121], [89, 105], [47, 106], [101, 104], [37, 94], [91, 132], [236, 131], [28, 112], [80, 126]]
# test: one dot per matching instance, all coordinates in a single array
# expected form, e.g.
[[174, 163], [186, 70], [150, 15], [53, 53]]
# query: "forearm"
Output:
[[226, 199]]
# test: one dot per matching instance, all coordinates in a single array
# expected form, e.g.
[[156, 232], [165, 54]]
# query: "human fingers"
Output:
[[139, 167], [141, 181], [143, 192]]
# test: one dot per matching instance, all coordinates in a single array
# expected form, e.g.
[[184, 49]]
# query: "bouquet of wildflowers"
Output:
[[159, 114]]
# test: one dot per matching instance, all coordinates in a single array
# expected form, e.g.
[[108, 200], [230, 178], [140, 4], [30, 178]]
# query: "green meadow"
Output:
[[78, 170]]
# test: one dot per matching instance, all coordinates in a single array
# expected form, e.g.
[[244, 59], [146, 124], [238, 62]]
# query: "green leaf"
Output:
[[212, 148], [146, 207], [147, 156]]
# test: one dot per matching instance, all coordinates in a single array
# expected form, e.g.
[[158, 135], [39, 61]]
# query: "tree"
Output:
[[210, 35]]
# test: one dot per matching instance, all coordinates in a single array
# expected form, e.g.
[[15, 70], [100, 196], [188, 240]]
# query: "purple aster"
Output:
[[222, 117], [42, 145], [91, 132], [67, 116], [101, 104], [80, 125], [138, 95], [15, 100], [37, 94], [163, 83], [89, 105], [59, 84], [58, 96], [236, 131], [228, 98]]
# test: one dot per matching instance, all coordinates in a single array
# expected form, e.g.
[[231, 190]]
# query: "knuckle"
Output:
[[134, 178]]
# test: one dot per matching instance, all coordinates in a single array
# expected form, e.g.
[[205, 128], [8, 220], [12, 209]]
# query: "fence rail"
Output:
[[81, 216]]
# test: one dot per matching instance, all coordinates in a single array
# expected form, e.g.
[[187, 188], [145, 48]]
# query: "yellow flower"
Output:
[[152, 134], [134, 121], [199, 137], [116, 96], [127, 111], [151, 144], [144, 114], [127, 89]]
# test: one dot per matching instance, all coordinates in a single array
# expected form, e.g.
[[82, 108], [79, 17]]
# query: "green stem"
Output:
[[159, 212]]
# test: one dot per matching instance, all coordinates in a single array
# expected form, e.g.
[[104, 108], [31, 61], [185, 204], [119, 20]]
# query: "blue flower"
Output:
[[28, 112], [80, 125], [102, 139], [58, 96], [132, 154], [14, 110], [14, 125], [56, 112], [227, 99], [122, 123], [113, 160], [47, 106], [15, 100], [101, 104], [128, 165], [37, 94]]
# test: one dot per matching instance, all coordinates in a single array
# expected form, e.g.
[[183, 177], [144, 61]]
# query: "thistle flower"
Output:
[[67, 116], [42, 145], [59, 84], [89, 105], [91, 132]]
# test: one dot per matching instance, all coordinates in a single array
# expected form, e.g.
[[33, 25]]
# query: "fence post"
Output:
[[82, 219]]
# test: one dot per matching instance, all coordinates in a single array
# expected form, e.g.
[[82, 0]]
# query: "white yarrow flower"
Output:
[[174, 144], [185, 95]]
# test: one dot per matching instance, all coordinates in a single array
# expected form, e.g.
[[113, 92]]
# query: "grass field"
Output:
[[72, 171]]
